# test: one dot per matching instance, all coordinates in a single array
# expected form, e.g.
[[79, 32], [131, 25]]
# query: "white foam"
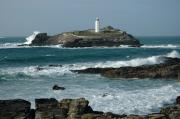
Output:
[[19, 45], [133, 62], [161, 46], [142, 101], [31, 37], [9, 45], [173, 54], [35, 71]]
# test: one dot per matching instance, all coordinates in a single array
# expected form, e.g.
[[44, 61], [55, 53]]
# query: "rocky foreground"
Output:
[[170, 69], [88, 38], [72, 109]]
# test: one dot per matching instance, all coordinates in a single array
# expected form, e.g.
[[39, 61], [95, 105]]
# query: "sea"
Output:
[[20, 77]]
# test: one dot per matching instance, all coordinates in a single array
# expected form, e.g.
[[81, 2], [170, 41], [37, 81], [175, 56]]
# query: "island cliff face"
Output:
[[88, 38]]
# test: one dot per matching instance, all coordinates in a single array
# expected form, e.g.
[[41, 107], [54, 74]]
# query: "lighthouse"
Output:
[[97, 25]]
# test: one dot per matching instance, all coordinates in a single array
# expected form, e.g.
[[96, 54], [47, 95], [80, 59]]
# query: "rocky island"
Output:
[[107, 36]]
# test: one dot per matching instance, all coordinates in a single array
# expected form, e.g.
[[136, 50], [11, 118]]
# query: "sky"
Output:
[[137, 17]]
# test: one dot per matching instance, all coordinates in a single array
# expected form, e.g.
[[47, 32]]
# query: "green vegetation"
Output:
[[106, 31]]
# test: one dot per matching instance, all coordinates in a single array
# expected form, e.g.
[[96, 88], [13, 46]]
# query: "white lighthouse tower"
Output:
[[97, 25]]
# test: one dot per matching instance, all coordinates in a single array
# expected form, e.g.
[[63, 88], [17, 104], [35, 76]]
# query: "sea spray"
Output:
[[31, 37], [173, 54]]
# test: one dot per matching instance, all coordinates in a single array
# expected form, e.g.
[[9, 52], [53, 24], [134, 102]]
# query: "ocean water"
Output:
[[19, 77]]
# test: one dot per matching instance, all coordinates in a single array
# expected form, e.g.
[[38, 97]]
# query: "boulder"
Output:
[[67, 108], [14, 109], [56, 87], [48, 109]]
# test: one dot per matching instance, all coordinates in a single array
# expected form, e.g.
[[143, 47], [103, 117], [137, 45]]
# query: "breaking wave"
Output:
[[173, 54], [54, 70], [133, 62], [31, 37]]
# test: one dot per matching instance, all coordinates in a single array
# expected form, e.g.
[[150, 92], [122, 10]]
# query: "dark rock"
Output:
[[38, 68], [101, 116], [46, 103], [92, 116], [134, 117], [32, 114], [55, 65], [178, 100], [170, 69], [110, 115], [92, 70], [156, 116], [14, 109], [72, 109], [40, 39], [56, 87], [172, 112], [48, 109], [67, 108], [78, 107], [105, 94], [87, 38]]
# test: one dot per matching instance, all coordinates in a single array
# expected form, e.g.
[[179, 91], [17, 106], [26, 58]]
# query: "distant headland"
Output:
[[107, 36]]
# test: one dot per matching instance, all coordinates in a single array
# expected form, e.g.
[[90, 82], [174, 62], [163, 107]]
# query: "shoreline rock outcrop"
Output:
[[50, 108], [170, 69], [15, 109], [108, 37]]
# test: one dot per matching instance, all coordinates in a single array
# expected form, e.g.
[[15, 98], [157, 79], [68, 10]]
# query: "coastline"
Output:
[[22, 73], [73, 109]]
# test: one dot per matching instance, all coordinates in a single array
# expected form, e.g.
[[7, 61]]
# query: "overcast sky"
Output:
[[138, 17]]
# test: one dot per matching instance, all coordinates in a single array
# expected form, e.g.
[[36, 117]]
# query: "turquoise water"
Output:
[[19, 77]]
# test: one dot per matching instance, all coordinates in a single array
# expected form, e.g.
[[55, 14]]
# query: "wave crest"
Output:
[[173, 54], [31, 37]]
